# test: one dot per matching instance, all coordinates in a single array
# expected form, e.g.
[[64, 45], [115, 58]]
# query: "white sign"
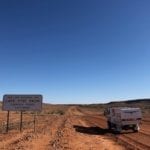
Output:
[[22, 102]]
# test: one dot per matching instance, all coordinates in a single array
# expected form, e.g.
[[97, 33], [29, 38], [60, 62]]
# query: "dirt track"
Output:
[[76, 130]]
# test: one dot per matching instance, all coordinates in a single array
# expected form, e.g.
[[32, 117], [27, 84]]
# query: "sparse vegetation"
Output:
[[144, 104]]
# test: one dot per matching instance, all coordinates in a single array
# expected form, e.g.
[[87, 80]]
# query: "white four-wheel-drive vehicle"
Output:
[[123, 118]]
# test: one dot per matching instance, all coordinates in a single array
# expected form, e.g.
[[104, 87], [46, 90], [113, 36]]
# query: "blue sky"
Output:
[[78, 51]]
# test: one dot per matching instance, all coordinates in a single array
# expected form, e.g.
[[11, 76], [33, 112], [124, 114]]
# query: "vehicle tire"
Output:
[[136, 128], [109, 125], [118, 129]]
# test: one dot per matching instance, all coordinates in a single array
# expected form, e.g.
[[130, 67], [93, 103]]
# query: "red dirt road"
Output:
[[76, 130]]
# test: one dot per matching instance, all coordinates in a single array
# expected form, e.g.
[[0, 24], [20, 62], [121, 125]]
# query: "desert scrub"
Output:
[[58, 112]]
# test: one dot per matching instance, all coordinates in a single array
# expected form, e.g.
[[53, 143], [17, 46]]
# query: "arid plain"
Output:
[[72, 127]]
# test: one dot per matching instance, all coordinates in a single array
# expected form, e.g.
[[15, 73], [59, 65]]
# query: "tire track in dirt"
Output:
[[67, 137], [140, 140], [73, 136], [134, 140]]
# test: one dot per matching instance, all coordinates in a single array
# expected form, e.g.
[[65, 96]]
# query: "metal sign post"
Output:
[[20, 121], [34, 121], [7, 127]]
